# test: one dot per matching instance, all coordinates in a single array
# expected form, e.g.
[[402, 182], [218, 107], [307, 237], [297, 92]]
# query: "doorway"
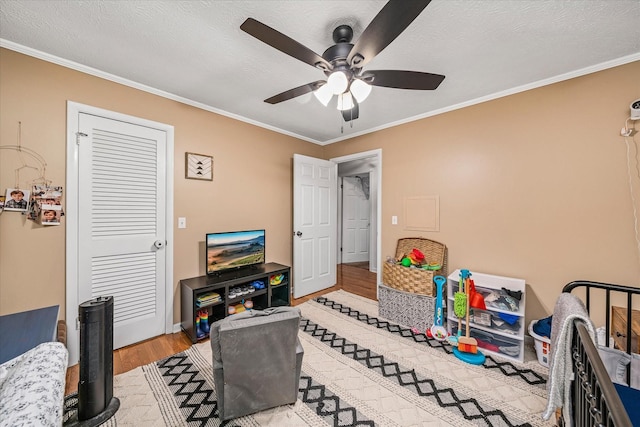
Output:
[[364, 172], [317, 218]]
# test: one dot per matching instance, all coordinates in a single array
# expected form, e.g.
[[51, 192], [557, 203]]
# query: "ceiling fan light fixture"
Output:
[[343, 62], [338, 82], [323, 94], [360, 90], [345, 101]]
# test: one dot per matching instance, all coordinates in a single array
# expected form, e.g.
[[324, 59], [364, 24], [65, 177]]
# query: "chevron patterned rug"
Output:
[[358, 370]]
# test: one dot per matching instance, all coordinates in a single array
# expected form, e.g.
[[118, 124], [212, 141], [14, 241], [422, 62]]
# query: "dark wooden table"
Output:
[[20, 332]]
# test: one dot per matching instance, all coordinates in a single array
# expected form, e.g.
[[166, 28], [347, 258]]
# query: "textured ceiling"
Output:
[[195, 52]]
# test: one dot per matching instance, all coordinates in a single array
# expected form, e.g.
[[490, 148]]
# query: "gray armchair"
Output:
[[257, 359]]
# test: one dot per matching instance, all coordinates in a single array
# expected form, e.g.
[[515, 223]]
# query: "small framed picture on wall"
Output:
[[198, 166]]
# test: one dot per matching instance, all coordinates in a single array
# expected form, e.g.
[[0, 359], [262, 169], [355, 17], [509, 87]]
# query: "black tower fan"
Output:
[[96, 403]]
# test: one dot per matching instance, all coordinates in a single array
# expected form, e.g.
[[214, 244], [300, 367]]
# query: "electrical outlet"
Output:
[[394, 220]]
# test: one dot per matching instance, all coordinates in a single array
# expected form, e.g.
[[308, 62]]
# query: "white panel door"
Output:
[[356, 219], [315, 213], [121, 223]]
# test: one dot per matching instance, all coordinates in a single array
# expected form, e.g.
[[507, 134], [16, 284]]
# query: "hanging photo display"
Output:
[[46, 205], [16, 199], [50, 215]]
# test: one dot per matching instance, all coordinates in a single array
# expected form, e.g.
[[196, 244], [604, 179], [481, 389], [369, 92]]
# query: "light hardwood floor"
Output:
[[354, 278]]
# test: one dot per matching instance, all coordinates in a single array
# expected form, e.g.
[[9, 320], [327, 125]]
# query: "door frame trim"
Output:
[[71, 214], [377, 153]]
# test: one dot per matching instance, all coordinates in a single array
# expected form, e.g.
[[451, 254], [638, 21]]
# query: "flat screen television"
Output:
[[234, 249]]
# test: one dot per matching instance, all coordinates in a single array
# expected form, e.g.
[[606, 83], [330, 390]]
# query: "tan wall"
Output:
[[533, 185], [251, 187]]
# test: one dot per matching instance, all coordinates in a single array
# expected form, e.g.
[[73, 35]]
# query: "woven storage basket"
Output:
[[408, 309], [416, 280]]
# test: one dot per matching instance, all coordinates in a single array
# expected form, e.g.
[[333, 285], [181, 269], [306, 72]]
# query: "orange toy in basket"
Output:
[[416, 257]]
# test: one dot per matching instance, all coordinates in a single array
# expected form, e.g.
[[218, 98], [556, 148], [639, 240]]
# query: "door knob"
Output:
[[159, 244], [299, 234]]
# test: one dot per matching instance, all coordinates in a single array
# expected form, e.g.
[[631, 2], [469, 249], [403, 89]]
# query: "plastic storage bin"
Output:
[[502, 326], [493, 343], [542, 344]]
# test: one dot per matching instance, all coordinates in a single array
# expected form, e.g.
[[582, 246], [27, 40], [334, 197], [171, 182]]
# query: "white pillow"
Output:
[[615, 362], [601, 335]]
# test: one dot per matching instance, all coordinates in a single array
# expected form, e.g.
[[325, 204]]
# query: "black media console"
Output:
[[272, 295]]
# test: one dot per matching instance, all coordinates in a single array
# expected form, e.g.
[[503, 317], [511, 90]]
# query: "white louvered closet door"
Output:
[[121, 224]]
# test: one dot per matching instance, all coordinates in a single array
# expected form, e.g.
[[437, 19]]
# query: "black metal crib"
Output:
[[595, 399]]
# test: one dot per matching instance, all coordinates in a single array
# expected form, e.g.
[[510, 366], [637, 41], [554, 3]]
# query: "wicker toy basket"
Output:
[[416, 280]]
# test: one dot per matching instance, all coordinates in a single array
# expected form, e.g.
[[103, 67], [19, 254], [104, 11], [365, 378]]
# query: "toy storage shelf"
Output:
[[225, 284], [495, 335]]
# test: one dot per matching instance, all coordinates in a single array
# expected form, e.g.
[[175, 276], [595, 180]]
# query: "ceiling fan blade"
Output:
[[392, 20], [403, 79], [351, 114], [292, 93], [284, 43]]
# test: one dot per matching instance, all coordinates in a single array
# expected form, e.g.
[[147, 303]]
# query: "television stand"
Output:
[[272, 295]]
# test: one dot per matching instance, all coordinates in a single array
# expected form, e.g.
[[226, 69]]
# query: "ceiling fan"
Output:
[[342, 63]]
